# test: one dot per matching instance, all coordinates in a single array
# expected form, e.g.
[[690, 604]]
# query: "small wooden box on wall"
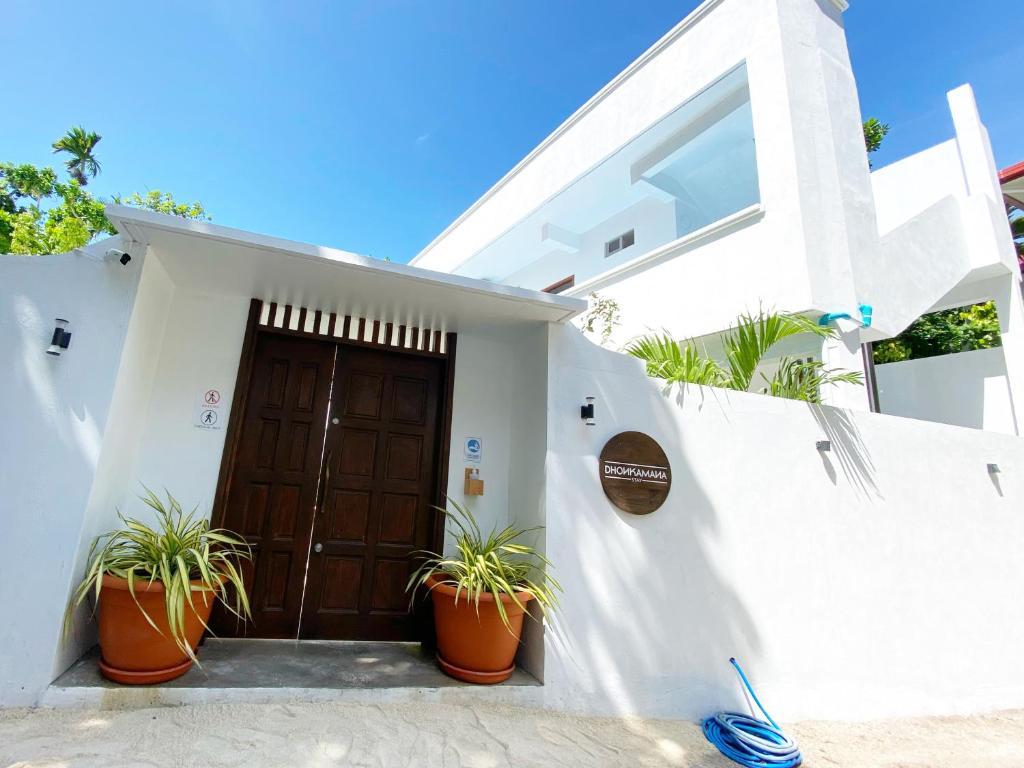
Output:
[[474, 486]]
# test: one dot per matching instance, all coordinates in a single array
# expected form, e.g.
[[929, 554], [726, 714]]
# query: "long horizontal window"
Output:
[[693, 167]]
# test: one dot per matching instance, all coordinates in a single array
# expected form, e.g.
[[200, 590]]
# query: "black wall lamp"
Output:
[[61, 338], [587, 412]]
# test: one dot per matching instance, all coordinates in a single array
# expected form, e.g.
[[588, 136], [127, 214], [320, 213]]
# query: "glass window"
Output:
[[691, 168]]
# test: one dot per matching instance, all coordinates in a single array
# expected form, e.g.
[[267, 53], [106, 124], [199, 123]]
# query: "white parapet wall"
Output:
[[969, 389], [55, 413], [880, 578]]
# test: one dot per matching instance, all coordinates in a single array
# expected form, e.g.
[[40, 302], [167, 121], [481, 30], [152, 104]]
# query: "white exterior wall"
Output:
[[968, 389], [942, 225], [199, 350], [55, 412], [879, 579], [653, 222], [121, 440]]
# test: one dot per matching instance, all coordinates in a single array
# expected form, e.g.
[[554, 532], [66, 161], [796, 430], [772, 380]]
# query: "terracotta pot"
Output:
[[134, 653], [472, 648]]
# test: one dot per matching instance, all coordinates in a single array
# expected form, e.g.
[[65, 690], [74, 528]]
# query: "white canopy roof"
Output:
[[221, 260]]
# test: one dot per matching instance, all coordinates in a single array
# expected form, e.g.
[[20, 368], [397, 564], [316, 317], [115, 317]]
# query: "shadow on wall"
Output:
[[648, 617], [848, 448]]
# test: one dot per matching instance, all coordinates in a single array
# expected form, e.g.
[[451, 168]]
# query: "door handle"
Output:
[[318, 547], [325, 483]]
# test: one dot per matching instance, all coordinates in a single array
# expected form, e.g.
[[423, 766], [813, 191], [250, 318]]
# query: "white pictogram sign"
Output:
[[208, 411]]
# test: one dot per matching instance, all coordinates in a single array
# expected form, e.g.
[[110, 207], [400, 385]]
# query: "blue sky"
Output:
[[370, 125]]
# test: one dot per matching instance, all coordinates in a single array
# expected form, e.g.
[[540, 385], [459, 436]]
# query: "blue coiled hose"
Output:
[[749, 741]]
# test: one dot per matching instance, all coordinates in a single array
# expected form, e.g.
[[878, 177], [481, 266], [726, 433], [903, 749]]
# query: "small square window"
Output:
[[616, 244]]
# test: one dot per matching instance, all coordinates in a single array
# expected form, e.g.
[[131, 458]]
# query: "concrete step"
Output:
[[268, 671]]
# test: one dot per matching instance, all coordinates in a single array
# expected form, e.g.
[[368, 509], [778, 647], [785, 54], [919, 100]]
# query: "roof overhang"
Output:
[[1012, 182], [212, 259]]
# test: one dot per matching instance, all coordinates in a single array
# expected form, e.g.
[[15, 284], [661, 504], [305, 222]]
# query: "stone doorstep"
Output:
[[269, 671]]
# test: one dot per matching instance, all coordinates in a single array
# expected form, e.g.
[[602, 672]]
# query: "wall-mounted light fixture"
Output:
[[587, 412], [993, 469], [824, 445], [61, 338]]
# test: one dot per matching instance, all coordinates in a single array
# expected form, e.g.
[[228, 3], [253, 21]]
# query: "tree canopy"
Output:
[[41, 213], [941, 333]]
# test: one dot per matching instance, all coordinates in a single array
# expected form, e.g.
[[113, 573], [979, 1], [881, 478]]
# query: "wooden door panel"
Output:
[[398, 519], [347, 516], [340, 585], [380, 479], [363, 395], [410, 401], [272, 493]]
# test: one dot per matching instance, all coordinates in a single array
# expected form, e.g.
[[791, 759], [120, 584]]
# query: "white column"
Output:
[[842, 353], [1010, 309]]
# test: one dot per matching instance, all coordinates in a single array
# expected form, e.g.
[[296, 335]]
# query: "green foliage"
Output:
[[874, 134], [1017, 229], [80, 144], [39, 213], [942, 333], [601, 317], [890, 351], [494, 564], [164, 202], [666, 359], [746, 346], [176, 552], [27, 181]]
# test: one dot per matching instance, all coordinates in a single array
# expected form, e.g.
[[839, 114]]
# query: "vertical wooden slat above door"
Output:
[[353, 328]]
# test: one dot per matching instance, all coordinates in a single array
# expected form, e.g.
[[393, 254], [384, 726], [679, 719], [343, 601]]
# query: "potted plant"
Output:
[[480, 595], [154, 588]]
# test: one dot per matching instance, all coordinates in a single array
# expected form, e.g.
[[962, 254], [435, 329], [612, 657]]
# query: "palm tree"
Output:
[[80, 144], [746, 345]]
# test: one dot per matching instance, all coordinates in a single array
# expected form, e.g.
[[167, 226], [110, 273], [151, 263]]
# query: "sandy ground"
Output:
[[320, 735]]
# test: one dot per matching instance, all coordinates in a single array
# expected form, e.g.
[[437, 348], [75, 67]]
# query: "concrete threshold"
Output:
[[269, 671]]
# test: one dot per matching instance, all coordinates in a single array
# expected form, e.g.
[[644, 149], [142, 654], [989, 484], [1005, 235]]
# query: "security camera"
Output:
[[121, 256]]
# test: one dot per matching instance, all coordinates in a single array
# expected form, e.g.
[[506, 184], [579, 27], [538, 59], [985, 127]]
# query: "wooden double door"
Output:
[[332, 483]]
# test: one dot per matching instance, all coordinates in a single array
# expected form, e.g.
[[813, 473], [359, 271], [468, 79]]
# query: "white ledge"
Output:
[[685, 243]]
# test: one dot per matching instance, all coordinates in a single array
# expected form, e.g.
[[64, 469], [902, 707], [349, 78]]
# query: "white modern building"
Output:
[[861, 564], [724, 171]]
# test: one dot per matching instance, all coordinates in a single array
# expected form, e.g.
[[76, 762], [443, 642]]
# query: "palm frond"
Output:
[[805, 379], [666, 359], [80, 145], [746, 345], [755, 334]]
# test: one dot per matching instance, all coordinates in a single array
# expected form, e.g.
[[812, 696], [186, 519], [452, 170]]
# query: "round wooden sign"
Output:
[[635, 473]]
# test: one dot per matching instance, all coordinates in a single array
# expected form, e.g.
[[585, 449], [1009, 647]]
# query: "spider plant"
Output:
[[746, 345], [492, 564], [176, 552]]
